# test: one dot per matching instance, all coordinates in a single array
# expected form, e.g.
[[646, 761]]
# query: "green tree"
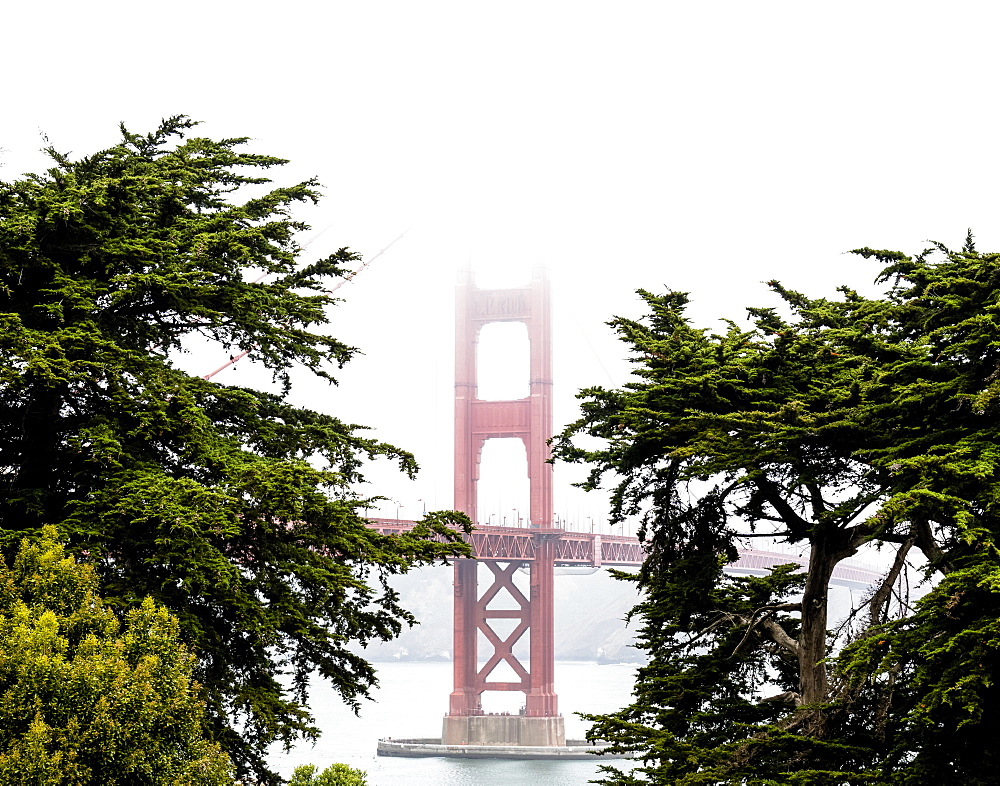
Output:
[[847, 421], [231, 507], [923, 685], [85, 699], [334, 775]]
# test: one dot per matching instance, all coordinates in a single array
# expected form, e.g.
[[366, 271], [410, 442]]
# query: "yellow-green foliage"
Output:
[[334, 775], [235, 509], [85, 699]]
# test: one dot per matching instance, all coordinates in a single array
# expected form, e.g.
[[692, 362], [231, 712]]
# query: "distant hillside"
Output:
[[590, 611]]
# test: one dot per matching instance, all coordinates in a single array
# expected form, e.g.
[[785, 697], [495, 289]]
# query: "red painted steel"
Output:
[[503, 648], [464, 699], [542, 700], [530, 420], [586, 549]]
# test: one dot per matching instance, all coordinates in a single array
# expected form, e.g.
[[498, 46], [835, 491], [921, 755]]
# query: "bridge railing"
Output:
[[520, 543], [506, 544]]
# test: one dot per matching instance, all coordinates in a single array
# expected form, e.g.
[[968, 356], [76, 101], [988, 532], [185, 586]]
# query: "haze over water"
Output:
[[411, 702]]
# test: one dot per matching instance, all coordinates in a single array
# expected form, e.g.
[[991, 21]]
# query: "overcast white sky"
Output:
[[699, 146]]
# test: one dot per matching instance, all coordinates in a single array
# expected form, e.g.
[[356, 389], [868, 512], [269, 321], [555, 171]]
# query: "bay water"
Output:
[[411, 701]]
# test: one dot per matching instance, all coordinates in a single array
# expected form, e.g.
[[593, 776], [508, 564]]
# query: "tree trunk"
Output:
[[827, 550], [36, 445]]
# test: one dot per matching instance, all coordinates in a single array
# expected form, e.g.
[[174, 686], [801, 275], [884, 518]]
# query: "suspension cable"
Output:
[[349, 276]]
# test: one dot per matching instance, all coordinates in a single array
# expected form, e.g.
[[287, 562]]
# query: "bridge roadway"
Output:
[[587, 549]]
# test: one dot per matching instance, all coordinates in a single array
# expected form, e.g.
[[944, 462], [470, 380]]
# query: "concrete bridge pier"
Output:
[[507, 730]]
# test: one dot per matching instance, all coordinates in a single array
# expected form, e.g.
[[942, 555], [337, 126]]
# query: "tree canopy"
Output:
[[236, 510], [334, 775], [86, 700], [830, 423]]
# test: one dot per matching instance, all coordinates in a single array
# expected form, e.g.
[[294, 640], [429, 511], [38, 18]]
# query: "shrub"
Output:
[[86, 699]]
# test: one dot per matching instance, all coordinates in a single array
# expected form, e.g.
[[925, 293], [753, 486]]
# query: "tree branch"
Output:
[[777, 634], [880, 599], [816, 499], [798, 525], [780, 636], [925, 541]]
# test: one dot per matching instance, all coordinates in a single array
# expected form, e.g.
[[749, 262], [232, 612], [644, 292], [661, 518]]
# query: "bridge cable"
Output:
[[349, 276], [594, 351]]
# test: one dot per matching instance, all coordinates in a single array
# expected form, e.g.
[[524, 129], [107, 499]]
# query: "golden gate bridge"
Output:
[[540, 547]]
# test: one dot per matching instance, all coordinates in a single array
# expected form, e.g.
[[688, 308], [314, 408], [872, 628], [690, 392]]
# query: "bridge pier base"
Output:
[[509, 730]]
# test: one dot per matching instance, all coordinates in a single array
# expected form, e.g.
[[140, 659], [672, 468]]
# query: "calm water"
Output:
[[411, 702]]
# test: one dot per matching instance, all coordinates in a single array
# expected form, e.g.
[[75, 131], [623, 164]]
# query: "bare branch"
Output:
[[795, 523], [780, 636], [880, 599], [776, 633], [786, 697]]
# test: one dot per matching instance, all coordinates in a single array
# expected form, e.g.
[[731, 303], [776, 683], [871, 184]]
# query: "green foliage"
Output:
[[85, 699], [831, 423], [924, 686], [334, 775], [231, 507]]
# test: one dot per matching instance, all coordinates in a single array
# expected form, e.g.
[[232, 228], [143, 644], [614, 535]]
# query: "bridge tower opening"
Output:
[[476, 421]]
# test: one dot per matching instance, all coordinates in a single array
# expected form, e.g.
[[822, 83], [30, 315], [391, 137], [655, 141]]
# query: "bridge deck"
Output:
[[586, 549]]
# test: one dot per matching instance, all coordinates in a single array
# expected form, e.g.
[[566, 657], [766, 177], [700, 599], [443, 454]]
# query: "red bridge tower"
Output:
[[476, 421]]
